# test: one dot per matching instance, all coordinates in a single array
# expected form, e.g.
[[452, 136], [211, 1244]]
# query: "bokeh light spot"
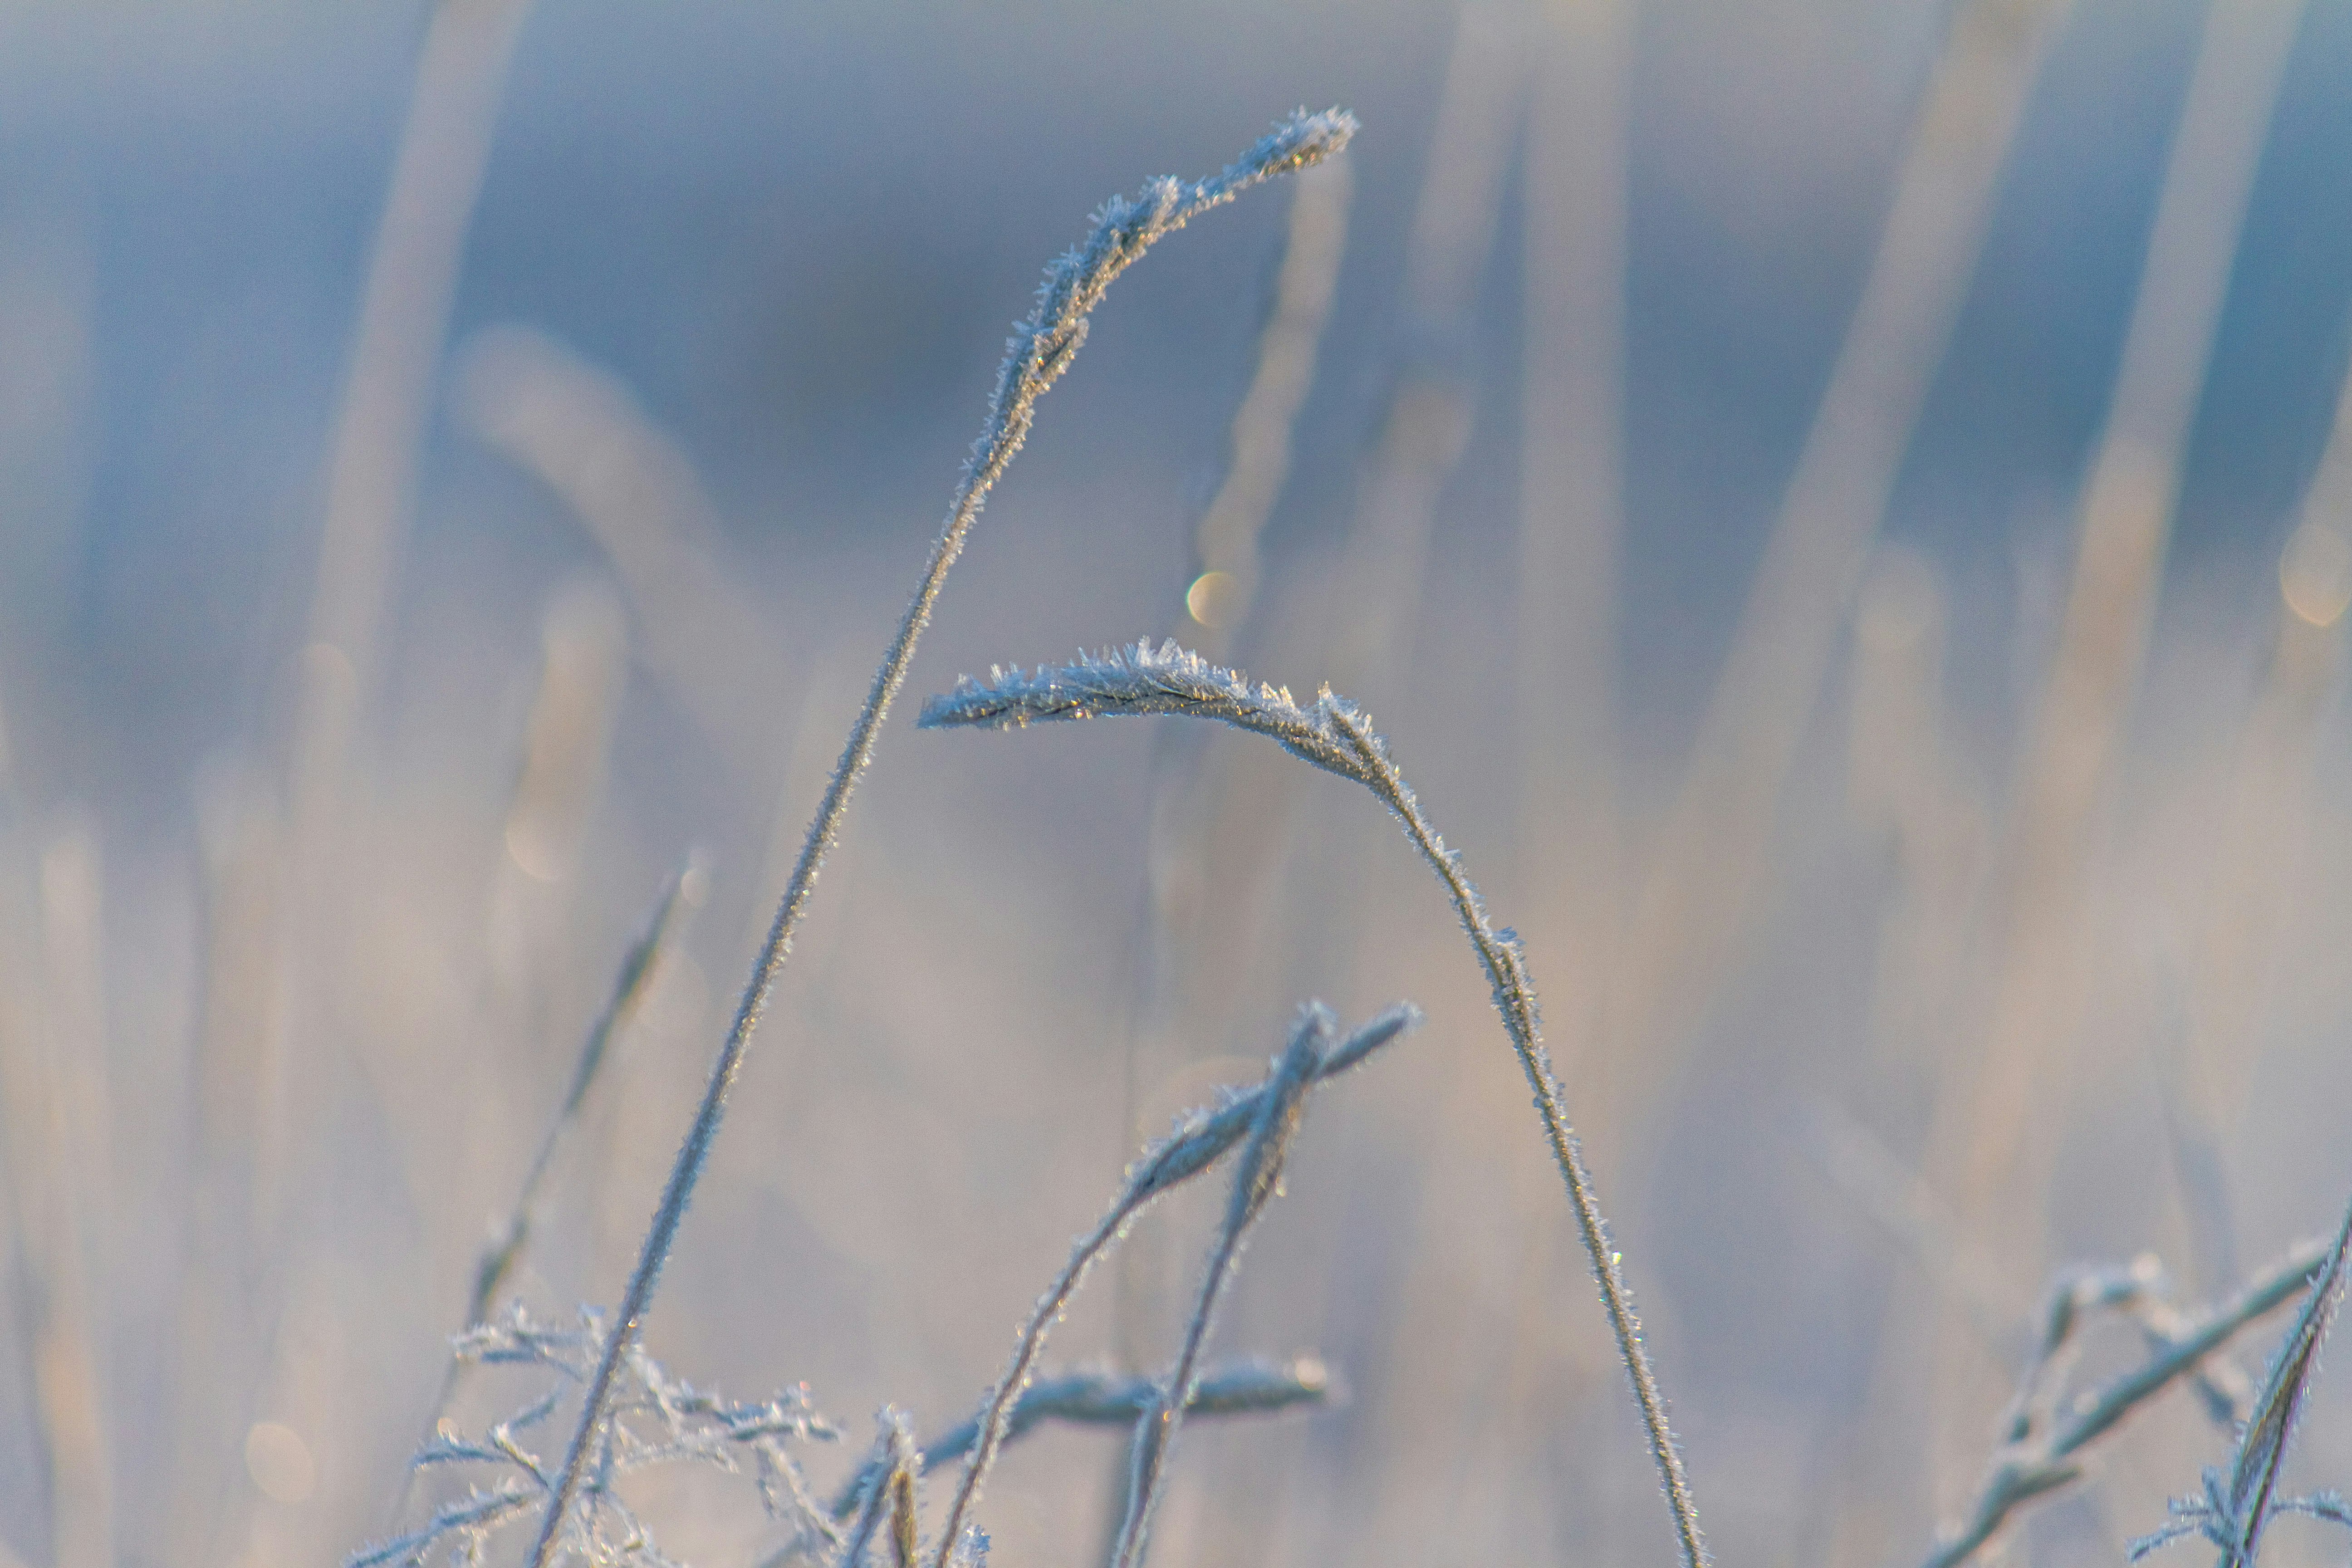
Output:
[[2316, 574], [1211, 597], [279, 1462]]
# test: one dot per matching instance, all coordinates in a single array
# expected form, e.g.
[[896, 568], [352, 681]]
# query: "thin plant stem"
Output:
[[1225, 541], [497, 1263], [1106, 1399], [2040, 1457], [1042, 348], [1256, 1177], [1515, 999], [1332, 734], [1191, 1149], [1426, 428], [636, 974], [888, 1477]]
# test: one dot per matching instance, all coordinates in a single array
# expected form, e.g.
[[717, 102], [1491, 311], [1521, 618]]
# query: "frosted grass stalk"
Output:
[[1256, 1178], [2234, 1509], [1193, 1148], [888, 1499], [2045, 1435], [1041, 349], [1332, 734]]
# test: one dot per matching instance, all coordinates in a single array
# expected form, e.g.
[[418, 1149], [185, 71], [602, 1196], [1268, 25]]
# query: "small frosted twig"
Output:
[[2043, 1458], [2235, 1508], [1193, 1147], [886, 1492], [2133, 1292], [1041, 349], [906, 1542], [654, 1419], [1256, 1178], [471, 1516], [1104, 1399], [1335, 736]]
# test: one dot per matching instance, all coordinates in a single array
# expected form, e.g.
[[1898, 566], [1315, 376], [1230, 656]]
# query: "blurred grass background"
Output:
[[269, 1067]]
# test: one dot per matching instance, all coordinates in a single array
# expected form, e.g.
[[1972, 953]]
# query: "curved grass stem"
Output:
[[1334, 735]]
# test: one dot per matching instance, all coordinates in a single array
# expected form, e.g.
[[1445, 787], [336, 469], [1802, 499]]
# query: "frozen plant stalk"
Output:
[[2234, 1508], [1337, 737], [1041, 349]]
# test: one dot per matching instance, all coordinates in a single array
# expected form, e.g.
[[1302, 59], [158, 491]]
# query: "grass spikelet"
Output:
[[1334, 735], [1256, 1177]]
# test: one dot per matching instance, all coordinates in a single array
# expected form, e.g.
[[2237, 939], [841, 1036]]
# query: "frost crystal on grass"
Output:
[[653, 1419], [1142, 680]]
